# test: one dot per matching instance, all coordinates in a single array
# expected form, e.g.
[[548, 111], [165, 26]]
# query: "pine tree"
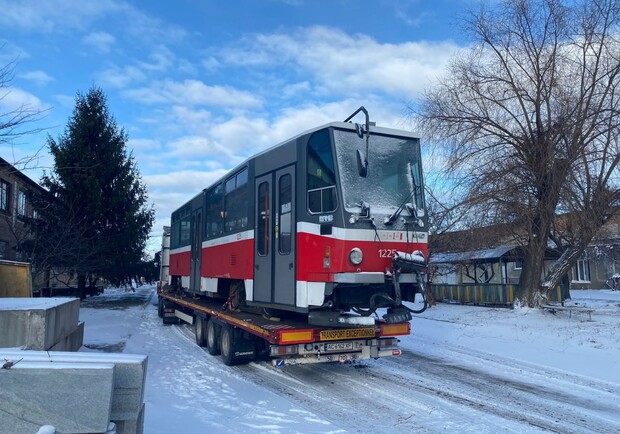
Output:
[[95, 221]]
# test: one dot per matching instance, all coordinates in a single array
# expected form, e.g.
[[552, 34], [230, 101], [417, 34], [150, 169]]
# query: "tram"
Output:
[[330, 224]]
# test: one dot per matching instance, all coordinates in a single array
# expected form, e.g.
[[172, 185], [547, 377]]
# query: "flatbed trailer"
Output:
[[241, 336]]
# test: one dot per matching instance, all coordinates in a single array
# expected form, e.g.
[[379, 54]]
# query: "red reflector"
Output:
[[396, 352]]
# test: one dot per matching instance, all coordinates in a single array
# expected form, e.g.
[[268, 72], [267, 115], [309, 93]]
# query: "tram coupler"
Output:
[[397, 314]]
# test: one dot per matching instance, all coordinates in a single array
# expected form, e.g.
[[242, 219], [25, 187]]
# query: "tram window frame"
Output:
[[185, 234], [321, 193], [214, 215], [180, 217], [236, 201], [285, 197]]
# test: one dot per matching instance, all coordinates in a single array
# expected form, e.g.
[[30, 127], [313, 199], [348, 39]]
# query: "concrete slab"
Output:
[[72, 397], [35, 323], [129, 375], [71, 342], [131, 426]]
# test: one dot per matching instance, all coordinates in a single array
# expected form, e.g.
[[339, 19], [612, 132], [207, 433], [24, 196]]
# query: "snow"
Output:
[[30, 303], [463, 369]]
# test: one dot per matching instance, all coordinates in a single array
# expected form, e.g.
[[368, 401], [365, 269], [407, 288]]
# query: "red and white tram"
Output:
[[327, 222]]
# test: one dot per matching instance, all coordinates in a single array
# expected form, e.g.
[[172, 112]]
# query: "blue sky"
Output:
[[200, 85]]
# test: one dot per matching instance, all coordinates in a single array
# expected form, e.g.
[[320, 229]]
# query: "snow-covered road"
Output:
[[463, 369]]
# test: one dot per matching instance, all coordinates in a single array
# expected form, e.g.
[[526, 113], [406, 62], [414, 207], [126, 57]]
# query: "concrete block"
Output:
[[129, 375], [131, 426], [71, 342], [72, 397], [37, 323]]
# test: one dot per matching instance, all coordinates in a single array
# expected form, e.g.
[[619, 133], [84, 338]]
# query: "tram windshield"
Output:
[[394, 171]]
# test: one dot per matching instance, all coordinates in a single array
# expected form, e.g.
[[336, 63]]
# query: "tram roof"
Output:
[[340, 125]]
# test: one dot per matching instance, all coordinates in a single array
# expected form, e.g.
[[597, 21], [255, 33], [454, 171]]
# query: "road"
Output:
[[431, 388]]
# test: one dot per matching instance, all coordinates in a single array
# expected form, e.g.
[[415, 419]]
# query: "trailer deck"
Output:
[[286, 340]]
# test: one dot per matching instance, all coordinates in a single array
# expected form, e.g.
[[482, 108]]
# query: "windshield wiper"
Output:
[[391, 219]]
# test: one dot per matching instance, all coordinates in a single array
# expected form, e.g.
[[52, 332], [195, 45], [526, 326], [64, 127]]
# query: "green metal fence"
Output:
[[491, 294]]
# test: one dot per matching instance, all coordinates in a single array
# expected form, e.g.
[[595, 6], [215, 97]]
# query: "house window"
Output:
[[21, 203], [581, 271], [518, 265], [5, 196]]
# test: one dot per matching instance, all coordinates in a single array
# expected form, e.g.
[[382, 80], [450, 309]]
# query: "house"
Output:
[[489, 255], [599, 266], [16, 189]]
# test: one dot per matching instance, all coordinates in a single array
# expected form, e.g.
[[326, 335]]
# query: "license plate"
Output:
[[338, 346], [341, 334]]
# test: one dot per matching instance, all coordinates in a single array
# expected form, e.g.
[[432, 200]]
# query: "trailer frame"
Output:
[[242, 336]]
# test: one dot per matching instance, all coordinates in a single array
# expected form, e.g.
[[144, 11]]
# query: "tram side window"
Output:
[[215, 211], [285, 208], [176, 233], [185, 235], [236, 201], [321, 179], [180, 228], [262, 220]]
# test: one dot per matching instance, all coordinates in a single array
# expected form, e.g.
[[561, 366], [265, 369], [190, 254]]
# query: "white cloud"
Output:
[[161, 60], [196, 146], [65, 101], [195, 120], [189, 182], [211, 64], [172, 189], [48, 16], [39, 78], [13, 98], [101, 41], [192, 93], [342, 64], [144, 145], [119, 78], [295, 89]]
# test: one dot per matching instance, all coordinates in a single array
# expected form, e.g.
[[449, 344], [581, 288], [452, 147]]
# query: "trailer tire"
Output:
[[160, 307], [227, 345], [199, 331], [213, 338]]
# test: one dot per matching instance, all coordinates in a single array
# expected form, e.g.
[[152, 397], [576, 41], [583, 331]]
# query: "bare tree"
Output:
[[528, 114], [14, 121]]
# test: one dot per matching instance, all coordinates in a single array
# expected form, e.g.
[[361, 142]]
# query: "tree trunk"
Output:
[[559, 269], [81, 286], [528, 294]]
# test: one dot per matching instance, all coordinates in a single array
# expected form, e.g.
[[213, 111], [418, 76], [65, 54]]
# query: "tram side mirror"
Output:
[[362, 164]]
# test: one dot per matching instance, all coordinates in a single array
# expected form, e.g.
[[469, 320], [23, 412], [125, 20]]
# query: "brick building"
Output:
[[15, 192]]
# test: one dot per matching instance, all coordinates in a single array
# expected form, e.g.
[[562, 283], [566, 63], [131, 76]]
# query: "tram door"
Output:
[[196, 252], [274, 238]]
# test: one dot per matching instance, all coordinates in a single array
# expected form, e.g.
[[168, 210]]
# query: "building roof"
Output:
[[494, 254], [19, 174]]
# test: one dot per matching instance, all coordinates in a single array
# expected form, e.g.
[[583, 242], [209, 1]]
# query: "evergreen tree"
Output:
[[95, 221]]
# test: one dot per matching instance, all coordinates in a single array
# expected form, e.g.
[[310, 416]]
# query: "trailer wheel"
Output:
[[213, 338], [227, 345], [160, 307], [199, 331]]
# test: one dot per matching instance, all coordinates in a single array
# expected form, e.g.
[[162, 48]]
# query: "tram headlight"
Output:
[[356, 256]]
